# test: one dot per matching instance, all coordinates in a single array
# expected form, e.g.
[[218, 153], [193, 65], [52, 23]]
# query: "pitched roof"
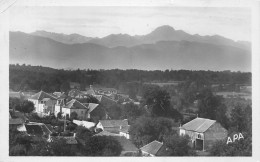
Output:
[[106, 133], [74, 104], [198, 125], [84, 123], [152, 148], [113, 123], [41, 95], [92, 106], [37, 128]]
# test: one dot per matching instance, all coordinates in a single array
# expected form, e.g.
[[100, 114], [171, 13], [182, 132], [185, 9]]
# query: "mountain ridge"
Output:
[[161, 33], [37, 50]]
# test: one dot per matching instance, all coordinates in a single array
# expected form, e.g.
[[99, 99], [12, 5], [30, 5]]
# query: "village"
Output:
[[101, 121]]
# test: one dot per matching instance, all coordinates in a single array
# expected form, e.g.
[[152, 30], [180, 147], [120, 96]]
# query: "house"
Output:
[[128, 148], [44, 103], [155, 148], [112, 126], [124, 131], [74, 106], [203, 132]]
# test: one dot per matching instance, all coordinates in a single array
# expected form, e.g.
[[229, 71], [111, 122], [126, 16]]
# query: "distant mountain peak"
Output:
[[164, 29]]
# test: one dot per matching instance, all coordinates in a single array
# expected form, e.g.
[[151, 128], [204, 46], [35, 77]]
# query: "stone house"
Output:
[[203, 132]]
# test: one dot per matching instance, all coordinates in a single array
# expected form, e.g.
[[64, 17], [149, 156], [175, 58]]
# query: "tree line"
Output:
[[26, 77]]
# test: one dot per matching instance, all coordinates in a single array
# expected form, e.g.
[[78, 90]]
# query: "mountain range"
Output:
[[163, 48]]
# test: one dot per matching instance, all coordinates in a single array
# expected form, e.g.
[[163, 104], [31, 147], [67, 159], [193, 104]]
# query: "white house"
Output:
[[77, 107], [44, 103]]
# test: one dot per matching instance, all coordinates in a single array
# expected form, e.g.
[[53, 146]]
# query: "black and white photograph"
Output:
[[129, 81]]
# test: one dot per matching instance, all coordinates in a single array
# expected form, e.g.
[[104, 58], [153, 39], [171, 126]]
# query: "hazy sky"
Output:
[[234, 23]]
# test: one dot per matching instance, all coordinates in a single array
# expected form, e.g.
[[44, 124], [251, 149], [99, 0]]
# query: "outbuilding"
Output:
[[203, 132]]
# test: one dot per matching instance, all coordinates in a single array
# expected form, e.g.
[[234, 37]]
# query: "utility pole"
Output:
[[65, 122]]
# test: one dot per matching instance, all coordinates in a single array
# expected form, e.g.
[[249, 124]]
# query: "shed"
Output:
[[203, 132]]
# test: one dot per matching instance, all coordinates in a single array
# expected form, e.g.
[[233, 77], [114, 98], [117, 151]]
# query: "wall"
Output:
[[214, 133]]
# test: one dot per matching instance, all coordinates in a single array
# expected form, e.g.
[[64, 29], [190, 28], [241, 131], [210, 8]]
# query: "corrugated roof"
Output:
[[74, 104], [113, 123], [198, 125], [41, 95], [152, 148]]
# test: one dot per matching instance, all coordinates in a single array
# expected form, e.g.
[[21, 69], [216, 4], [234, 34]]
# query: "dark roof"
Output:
[[41, 95], [37, 129], [152, 148], [198, 125], [74, 104], [113, 123]]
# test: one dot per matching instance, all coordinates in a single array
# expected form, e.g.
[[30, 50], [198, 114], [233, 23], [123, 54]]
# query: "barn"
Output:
[[203, 132]]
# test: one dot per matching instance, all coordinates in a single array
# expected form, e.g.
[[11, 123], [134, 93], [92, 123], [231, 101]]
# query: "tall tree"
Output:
[[25, 107], [158, 103], [146, 130], [212, 107]]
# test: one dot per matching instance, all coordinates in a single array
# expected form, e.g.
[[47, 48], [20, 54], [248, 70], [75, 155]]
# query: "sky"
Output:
[[230, 22]]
